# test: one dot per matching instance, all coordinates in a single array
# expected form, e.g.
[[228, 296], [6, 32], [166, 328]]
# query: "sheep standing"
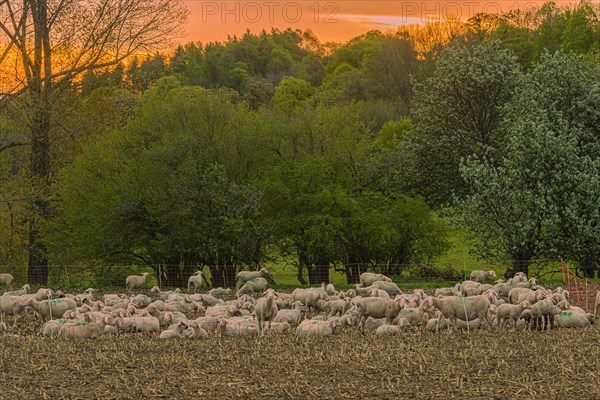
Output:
[[376, 307], [480, 276], [6, 279], [266, 309], [511, 312], [136, 281], [463, 308], [196, 281]]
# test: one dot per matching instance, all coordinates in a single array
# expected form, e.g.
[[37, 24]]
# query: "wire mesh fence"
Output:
[[165, 275]]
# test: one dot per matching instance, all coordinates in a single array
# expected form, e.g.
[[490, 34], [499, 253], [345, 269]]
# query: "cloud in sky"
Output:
[[330, 20]]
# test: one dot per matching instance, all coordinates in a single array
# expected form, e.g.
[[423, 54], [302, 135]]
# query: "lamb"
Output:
[[368, 278], [519, 277], [470, 288], [390, 287], [238, 328], [256, 285], [453, 291], [6, 279], [175, 333], [136, 281], [377, 307], [292, 317], [542, 311], [266, 309], [330, 290], [141, 300], [317, 328], [24, 290], [196, 281], [389, 330], [415, 316], [463, 308], [480, 276], [145, 324], [219, 292], [510, 312], [51, 309], [163, 295], [244, 276], [435, 324], [518, 295], [88, 330], [308, 297], [338, 307], [12, 305], [374, 292]]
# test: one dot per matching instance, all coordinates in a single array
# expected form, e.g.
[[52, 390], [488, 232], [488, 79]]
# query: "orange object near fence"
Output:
[[582, 292]]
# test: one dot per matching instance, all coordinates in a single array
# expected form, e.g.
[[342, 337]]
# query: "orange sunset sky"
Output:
[[329, 20]]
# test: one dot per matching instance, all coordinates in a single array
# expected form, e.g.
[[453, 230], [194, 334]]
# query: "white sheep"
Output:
[[51, 309], [196, 281], [390, 287], [6, 279], [244, 276], [174, 333], [309, 299], [136, 281], [480, 276], [368, 278], [338, 307], [520, 277], [233, 328], [317, 328], [266, 309], [330, 290], [87, 329], [219, 292], [450, 291], [24, 290], [390, 330], [255, 285], [463, 308], [573, 318], [518, 295], [292, 317], [377, 307], [510, 312], [415, 316]]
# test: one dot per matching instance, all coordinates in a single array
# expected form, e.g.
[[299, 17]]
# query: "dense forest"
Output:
[[275, 146]]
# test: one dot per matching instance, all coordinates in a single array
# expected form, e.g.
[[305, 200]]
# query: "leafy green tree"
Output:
[[540, 199], [160, 191], [457, 113]]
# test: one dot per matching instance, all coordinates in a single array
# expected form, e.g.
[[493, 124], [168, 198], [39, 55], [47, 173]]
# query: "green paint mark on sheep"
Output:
[[566, 314]]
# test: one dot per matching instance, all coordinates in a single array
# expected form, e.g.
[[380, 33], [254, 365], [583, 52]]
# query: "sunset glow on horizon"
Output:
[[337, 21]]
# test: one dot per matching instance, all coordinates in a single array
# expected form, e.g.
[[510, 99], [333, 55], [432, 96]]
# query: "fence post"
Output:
[[586, 294], [67, 274], [464, 272], [160, 276]]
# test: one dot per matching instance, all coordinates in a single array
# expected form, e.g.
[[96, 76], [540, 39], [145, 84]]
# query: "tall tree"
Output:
[[52, 43]]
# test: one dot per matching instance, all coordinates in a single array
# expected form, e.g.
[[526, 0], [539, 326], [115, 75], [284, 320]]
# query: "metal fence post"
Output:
[[160, 276]]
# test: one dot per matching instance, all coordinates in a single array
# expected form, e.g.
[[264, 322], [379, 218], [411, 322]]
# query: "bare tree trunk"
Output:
[[40, 89]]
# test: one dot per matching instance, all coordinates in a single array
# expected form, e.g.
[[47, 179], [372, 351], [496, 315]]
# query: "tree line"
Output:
[[275, 146]]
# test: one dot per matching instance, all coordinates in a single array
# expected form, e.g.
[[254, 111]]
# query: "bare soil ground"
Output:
[[562, 364]]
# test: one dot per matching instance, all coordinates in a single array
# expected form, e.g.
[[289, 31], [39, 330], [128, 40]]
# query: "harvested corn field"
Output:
[[562, 363]]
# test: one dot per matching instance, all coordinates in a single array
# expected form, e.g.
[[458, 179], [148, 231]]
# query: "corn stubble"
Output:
[[491, 365]]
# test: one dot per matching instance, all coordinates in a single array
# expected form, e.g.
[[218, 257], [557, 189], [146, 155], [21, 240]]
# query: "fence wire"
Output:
[[169, 275]]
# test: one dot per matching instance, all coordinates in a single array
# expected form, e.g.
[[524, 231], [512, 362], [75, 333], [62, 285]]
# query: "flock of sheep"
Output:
[[376, 304]]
